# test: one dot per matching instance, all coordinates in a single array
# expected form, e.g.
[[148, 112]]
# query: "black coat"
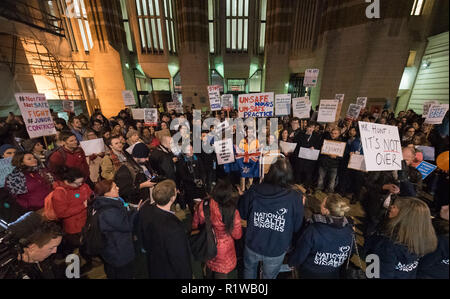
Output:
[[161, 160], [117, 224], [186, 178], [304, 140], [166, 243], [129, 182]]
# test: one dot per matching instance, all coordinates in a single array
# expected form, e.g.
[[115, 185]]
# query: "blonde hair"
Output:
[[412, 226], [315, 201], [163, 192], [337, 206]]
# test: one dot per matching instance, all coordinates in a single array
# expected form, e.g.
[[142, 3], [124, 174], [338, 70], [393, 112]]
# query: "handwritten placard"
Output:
[[36, 114], [353, 111], [327, 111], [361, 101], [357, 162], [214, 97], [308, 154], [138, 114], [224, 151], [381, 145], [436, 114], [333, 148], [301, 107], [256, 105], [128, 97], [227, 102], [311, 76], [151, 117], [282, 104]]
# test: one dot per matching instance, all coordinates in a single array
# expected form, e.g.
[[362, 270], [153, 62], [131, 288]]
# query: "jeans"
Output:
[[271, 265], [328, 174]]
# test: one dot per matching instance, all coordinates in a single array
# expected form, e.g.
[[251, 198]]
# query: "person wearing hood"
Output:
[[134, 176], [327, 241], [70, 198], [274, 213], [116, 220], [28, 183]]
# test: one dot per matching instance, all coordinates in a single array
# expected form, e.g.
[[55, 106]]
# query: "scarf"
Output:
[[330, 220], [116, 160], [16, 182]]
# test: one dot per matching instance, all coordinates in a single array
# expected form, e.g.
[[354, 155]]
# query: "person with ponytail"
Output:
[[404, 238], [29, 184], [326, 243], [226, 224]]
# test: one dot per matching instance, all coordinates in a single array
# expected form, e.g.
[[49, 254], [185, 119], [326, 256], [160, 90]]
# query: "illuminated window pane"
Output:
[[233, 29], [83, 35], [234, 8], [228, 8], [88, 30], [157, 7], [144, 7], [255, 82], [210, 10], [138, 5], [149, 40], [155, 37], [228, 33], [168, 35], [241, 8], [211, 37], [141, 25], [161, 84], [263, 10], [262, 37], [170, 8], [161, 45], [417, 8], [173, 37], [123, 6], [246, 8], [239, 35], [245, 35], [128, 34]]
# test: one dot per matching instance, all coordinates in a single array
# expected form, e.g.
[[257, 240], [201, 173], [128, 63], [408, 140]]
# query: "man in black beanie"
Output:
[[133, 177]]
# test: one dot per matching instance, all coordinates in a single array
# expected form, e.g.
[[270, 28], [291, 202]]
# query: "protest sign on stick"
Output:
[[382, 146], [310, 79], [214, 97], [436, 114], [361, 101], [227, 102], [327, 111], [301, 107], [282, 104], [150, 117], [256, 105], [138, 114], [353, 111]]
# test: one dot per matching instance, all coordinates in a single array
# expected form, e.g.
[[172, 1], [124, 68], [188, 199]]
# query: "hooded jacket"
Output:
[[396, 262], [273, 215], [322, 249], [116, 224], [69, 205]]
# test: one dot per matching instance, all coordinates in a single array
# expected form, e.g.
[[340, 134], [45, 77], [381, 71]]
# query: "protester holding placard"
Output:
[[304, 168], [328, 166]]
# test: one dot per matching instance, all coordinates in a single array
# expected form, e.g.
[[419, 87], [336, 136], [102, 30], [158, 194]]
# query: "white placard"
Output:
[[327, 111], [214, 97], [256, 105], [151, 117], [339, 97], [227, 102], [361, 101], [308, 154], [333, 148], [353, 111], [381, 145], [282, 104], [287, 147], [301, 107], [224, 151], [427, 151], [436, 114], [94, 146], [36, 114], [426, 107], [128, 98], [177, 106], [68, 106], [357, 162], [311, 76], [138, 114]]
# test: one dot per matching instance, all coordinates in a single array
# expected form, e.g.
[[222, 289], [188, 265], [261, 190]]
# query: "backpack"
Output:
[[49, 212], [204, 243], [93, 239], [48, 154]]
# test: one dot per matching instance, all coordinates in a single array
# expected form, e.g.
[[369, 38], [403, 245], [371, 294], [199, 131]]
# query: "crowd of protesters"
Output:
[[290, 214]]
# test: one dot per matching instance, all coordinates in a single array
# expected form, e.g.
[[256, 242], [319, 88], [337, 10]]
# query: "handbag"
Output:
[[204, 243], [352, 271]]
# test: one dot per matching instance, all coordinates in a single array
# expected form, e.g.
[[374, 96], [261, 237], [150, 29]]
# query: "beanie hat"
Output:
[[140, 150], [4, 148]]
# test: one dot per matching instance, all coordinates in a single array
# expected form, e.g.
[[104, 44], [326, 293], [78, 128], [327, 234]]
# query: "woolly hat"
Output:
[[140, 150], [4, 148]]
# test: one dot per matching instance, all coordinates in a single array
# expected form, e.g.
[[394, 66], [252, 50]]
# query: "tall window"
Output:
[[148, 12], [169, 19], [417, 7], [216, 79], [68, 30], [237, 25], [83, 24], [262, 30], [211, 25], [126, 24], [255, 82]]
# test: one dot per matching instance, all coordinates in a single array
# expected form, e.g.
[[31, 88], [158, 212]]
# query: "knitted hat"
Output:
[[4, 148], [29, 144], [140, 150]]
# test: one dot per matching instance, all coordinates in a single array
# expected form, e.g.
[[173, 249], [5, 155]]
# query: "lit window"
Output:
[[68, 30], [149, 18], [255, 82], [262, 32], [236, 85], [237, 25], [83, 24], [211, 25], [417, 7], [126, 24], [161, 84], [169, 18]]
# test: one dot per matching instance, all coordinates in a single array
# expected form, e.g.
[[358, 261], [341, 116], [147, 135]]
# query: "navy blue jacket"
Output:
[[396, 262], [273, 215], [321, 250], [435, 265], [116, 223]]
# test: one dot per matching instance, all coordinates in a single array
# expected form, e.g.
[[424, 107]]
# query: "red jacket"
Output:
[[69, 206], [75, 159], [225, 261]]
